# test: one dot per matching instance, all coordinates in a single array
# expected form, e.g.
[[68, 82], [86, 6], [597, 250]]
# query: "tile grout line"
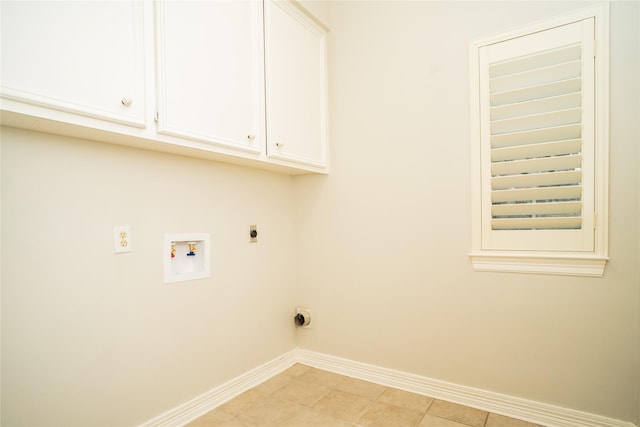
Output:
[[339, 385], [364, 411], [425, 411]]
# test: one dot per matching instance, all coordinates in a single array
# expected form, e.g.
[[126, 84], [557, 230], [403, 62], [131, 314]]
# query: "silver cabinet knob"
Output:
[[251, 137], [126, 101], [279, 144]]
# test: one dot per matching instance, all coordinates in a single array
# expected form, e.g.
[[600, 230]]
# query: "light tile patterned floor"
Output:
[[307, 397]]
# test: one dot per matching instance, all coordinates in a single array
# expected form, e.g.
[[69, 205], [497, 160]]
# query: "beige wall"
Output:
[[93, 338], [383, 240]]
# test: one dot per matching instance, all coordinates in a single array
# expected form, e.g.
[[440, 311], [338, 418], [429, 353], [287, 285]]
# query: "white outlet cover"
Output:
[[122, 239]]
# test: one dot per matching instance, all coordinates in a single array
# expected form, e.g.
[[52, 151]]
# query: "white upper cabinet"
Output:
[[295, 50], [210, 72], [82, 57], [185, 77]]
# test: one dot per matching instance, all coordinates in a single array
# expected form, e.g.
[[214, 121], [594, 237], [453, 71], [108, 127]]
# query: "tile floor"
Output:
[[307, 397]]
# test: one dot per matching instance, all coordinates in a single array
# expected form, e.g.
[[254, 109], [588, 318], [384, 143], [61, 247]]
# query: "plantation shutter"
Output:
[[537, 137]]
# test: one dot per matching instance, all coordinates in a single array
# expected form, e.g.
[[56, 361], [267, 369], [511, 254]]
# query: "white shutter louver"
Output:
[[536, 145], [537, 109], [539, 146]]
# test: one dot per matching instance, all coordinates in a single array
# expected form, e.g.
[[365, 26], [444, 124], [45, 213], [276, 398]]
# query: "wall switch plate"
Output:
[[122, 239]]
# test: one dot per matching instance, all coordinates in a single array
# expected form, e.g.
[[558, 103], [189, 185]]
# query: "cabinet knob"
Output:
[[126, 101], [279, 144], [251, 137]]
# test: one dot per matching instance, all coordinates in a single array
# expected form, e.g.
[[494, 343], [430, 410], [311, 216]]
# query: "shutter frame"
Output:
[[544, 253]]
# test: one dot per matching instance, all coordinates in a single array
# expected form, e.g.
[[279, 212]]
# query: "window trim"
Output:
[[591, 263]]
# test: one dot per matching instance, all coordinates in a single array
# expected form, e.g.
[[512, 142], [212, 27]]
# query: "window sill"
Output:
[[540, 263]]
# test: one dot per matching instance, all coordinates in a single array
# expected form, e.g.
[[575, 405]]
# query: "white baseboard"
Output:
[[215, 397], [528, 410], [515, 407]]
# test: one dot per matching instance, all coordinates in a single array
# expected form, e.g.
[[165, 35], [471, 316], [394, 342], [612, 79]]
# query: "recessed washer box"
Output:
[[187, 256]]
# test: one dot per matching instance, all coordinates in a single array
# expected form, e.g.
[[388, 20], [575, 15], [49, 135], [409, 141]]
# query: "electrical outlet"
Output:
[[253, 234], [121, 239]]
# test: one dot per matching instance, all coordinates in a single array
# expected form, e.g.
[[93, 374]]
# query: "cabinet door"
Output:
[[75, 56], [210, 72], [295, 49]]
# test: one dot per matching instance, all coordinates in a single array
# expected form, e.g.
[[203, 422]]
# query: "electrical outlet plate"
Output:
[[122, 239]]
